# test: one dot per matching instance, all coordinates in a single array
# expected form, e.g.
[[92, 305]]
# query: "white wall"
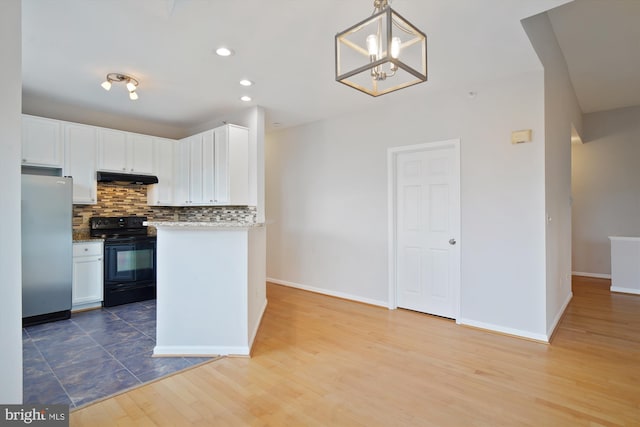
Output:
[[10, 253], [606, 187], [256, 284], [561, 111], [327, 200]]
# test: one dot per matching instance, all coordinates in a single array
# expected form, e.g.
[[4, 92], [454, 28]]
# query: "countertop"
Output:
[[88, 240], [82, 236], [205, 224]]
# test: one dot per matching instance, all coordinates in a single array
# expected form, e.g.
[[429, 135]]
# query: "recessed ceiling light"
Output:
[[245, 98], [246, 82], [224, 51]]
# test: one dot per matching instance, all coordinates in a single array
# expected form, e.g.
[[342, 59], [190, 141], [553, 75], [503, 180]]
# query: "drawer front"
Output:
[[87, 249]]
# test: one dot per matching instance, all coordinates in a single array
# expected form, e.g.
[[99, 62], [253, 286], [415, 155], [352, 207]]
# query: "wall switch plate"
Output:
[[520, 136]]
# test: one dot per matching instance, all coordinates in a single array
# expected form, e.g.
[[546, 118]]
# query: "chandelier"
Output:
[[382, 53], [130, 83]]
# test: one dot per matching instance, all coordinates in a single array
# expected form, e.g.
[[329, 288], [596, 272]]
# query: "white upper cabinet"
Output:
[[207, 169], [80, 144], [161, 194], [41, 142], [195, 170], [213, 168], [181, 173], [112, 150], [140, 153], [189, 178], [232, 165], [124, 152], [209, 195]]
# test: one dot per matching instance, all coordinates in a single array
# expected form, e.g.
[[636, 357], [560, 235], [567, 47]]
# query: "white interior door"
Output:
[[427, 206]]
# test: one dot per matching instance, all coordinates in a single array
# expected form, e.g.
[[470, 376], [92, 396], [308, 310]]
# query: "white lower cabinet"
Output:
[[87, 275]]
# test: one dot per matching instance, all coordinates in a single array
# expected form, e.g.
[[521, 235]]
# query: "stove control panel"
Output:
[[117, 222]]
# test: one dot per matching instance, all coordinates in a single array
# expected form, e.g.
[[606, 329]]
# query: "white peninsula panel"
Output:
[[625, 264], [211, 287]]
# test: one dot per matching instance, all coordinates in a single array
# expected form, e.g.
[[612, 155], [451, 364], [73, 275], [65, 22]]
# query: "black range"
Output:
[[129, 259]]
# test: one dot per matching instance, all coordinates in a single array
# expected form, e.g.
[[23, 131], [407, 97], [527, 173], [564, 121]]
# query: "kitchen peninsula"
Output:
[[211, 291]]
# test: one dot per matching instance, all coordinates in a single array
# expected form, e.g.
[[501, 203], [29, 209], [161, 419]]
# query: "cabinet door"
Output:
[[195, 170], [208, 168], [222, 164], [212, 168], [87, 280], [80, 161], [161, 194], [41, 142], [140, 154], [112, 150], [238, 165], [181, 167]]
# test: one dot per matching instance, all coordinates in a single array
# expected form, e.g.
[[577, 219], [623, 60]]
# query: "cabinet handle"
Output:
[[124, 169], [131, 169], [24, 160], [99, 259], [86, 249]]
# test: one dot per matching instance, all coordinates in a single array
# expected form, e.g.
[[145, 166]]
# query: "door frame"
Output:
[[392, 161]]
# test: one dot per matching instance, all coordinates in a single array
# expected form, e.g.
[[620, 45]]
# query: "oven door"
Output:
[[129, 262]]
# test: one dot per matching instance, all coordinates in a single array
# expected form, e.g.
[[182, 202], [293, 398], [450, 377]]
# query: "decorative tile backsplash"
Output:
[[124, 200]]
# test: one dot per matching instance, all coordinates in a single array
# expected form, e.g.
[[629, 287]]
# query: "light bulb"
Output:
[[106, 85], [133, 96], [224, 51], [395, 47], [372, 45], [131, 86], [246, 82]]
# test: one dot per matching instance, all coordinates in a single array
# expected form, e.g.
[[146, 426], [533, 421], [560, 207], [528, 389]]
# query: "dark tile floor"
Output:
[[93, 355]]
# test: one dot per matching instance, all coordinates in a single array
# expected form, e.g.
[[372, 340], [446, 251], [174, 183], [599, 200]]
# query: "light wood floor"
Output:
[[322, 361]]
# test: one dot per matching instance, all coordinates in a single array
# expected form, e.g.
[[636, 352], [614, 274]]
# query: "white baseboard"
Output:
[[252, 337], [86, 306], [328, 292], [555, 322], [198, 351], [594, 275], [509, 331], [625, 290]]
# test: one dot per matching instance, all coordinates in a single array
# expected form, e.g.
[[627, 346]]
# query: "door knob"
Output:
[[452, 241]]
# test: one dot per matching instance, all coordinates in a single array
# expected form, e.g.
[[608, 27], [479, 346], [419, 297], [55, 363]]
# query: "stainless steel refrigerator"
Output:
[[47, 248]]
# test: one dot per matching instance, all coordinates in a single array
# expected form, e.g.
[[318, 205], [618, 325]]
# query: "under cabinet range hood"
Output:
[[126, 178]]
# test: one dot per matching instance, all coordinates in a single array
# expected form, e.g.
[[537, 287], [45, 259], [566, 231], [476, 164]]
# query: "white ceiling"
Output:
[[284, 46], [600, 40]]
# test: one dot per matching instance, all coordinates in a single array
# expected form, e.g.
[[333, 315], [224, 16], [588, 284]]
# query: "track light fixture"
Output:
[[130, 82]]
